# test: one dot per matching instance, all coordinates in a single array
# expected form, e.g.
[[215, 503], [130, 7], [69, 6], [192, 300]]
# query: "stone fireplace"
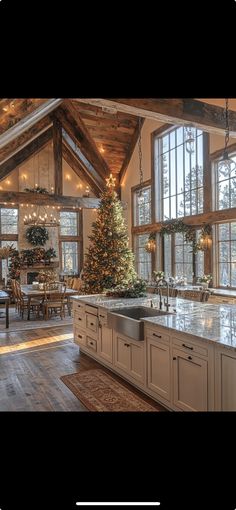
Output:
[[31, 276]]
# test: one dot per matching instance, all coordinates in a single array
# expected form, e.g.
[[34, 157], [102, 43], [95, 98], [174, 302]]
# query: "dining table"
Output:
[[31, 293]]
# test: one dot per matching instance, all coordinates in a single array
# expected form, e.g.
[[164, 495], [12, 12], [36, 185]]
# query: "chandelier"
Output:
[[43, 216], [226, 165]]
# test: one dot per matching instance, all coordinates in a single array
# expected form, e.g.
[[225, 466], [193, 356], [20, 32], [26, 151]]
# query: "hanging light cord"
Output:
[[227, 123]]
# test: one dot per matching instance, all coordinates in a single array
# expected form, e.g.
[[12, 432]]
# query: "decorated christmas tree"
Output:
[[109, 262]]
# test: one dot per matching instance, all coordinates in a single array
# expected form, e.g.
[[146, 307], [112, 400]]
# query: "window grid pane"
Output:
[[68, 223], [143, 259], [69, 256], [142, 207], [225, 187], [226, 250], [14, 244], [180, 174], [9, 221]]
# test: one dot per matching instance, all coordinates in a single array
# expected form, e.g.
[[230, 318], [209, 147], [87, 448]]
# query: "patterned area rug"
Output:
[[98, 391], [18, 324]]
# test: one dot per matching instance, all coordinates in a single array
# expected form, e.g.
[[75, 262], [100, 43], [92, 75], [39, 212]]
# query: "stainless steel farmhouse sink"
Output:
[[128, 321]]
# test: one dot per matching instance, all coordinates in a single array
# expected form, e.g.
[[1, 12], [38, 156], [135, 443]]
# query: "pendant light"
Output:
[[140, 195], [189, 139], [226, 165]]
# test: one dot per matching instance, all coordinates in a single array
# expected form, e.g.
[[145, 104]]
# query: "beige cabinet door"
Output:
[[190, 382], [225, 381], [122, 352], [105, 344], [159, 368], [137, 361]]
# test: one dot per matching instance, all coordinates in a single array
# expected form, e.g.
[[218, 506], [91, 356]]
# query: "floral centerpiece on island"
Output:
[[158, 274]]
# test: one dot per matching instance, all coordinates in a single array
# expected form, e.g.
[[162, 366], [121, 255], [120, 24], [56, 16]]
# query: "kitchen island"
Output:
[[187, 360]]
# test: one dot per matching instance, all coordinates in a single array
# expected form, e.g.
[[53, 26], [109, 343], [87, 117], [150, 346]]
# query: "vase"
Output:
[[204, 285]]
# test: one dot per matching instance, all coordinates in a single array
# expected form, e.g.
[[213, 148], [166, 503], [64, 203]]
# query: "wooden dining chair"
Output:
[[27, 304], [54, 301]]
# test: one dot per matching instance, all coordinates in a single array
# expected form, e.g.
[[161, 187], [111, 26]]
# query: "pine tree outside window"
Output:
[[142, 208], [225, 186], [226, 254], [143, 259], [178, 184], [70, 243]]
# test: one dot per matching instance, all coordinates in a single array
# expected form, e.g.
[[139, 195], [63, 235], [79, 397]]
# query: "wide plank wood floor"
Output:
[[31, 364]]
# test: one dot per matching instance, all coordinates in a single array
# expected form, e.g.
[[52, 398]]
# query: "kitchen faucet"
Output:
[[166, 302]]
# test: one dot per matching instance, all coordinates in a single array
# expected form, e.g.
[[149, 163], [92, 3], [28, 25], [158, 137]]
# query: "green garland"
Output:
[[37, 189], [37, 236], [178, 226]]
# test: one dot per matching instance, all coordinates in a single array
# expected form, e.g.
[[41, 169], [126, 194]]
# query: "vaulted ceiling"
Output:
[[97, 136]]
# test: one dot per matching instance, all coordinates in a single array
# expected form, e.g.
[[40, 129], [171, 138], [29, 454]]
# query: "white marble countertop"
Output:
[[213, 323]]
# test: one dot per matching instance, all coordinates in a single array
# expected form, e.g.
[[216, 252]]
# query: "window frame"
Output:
[[8, 237], [134, 191], [78, 239], [216, 256]]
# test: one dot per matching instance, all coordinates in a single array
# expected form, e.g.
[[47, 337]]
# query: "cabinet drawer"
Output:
[[79, 336], [189, 347], [79, 319], [91, 343], [91, 309], [156, 334], [91, 323], [102, 316], [77, 306]]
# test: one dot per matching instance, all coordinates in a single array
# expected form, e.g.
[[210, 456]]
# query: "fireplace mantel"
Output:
[[34, 268]]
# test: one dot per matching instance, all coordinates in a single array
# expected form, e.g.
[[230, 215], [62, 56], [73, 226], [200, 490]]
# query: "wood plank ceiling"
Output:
[[112, 132]]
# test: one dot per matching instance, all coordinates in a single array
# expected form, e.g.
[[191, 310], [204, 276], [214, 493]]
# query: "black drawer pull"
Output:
[[127, 345], [190, 357], [80, 319], [103, 316], [80, 336], [91, 324], [187, 347], [91, 343], [158, 336], [174, 359]]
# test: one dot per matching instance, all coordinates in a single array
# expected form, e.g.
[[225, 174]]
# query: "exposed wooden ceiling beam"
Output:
[[89, 169], [28, 121], [130, 151], [19, 197], [21, 141], [57, 154], [26, 153], [179, 111], [76, 165], [71, 120]]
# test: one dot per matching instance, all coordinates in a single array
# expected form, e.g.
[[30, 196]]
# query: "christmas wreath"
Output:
[[37, 235]]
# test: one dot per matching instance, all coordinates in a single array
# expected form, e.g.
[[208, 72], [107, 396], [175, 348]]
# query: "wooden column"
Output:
[[57, 151]]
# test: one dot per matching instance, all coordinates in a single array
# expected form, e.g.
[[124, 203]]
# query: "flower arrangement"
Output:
[[205, 278], [158, 274]]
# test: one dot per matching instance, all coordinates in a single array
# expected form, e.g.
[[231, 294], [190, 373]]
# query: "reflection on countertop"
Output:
[[213, 323]]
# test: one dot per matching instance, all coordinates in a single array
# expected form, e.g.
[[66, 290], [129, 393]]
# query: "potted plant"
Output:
[[205, 279]]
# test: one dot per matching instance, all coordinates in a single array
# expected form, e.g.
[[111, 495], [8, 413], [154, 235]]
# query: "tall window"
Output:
[[178, 175], [226, 254], [225, 188], [70, 242], [8, 234], [180, 260], [143, 259], [142, 206]]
